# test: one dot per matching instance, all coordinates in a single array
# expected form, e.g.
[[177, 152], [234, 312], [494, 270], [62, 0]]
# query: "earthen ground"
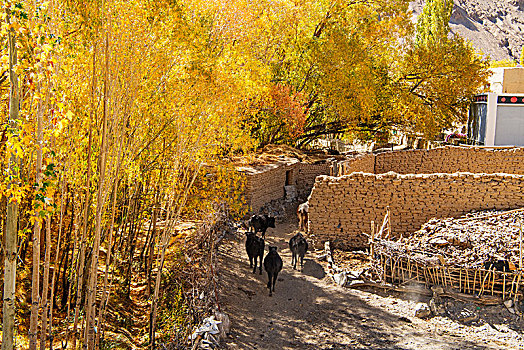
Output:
[[308, 311]]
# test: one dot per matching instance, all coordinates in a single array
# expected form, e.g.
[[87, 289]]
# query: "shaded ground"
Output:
[[308, 311]]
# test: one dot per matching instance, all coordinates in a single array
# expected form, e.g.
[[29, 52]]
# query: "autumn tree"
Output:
[[439, 73], [433, 22]]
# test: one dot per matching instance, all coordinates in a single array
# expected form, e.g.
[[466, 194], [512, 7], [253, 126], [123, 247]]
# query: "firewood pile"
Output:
[[477, 254], [473, 241]]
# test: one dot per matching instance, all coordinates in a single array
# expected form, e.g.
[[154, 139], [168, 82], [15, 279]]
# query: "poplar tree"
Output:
[[11, 232], [433, 22]]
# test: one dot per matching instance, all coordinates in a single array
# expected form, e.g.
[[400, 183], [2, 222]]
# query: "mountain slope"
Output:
[[494, 27]]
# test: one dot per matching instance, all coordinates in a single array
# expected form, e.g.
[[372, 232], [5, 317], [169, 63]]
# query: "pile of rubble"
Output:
[[476, 240]]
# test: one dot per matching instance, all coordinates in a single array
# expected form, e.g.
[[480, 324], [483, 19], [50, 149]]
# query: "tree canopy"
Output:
[[130, 112]]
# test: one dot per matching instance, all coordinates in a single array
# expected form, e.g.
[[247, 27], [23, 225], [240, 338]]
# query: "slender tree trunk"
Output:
[[45, 288], [63, 209], [83, 242], [105, 291], [151, 248], [89, 342], [180, 203], [72, 270], [11, 232], [35, 294]]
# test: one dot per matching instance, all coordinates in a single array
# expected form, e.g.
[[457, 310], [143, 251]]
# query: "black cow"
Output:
[[497, 265], [260, 223], [255, 249], [272, 265], [298, 246]]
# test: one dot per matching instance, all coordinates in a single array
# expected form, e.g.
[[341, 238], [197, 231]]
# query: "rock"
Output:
[[467, 316], [340, 278], [508, 303], [437, 290], [503, 328], [225, 324], [436, 307], [439, 242], [422, 311]]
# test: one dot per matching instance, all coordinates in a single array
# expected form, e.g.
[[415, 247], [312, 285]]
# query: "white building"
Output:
[[496, 118]]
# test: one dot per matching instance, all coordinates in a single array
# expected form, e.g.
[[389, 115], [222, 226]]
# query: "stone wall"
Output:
[[266, 183], [439, 160], [340, 208]]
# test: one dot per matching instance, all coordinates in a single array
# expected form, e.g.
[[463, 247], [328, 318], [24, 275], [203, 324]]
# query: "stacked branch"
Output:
[[479, 254]]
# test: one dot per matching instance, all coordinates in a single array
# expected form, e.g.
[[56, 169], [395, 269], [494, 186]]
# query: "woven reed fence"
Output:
[[479, 282], [401, 269]]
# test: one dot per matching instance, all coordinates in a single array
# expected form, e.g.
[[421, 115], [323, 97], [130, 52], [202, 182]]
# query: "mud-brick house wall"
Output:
[[269, 182], [449, 159], [341, 208]]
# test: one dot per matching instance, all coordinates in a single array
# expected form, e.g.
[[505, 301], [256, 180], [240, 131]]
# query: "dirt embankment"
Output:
[[308, 311]]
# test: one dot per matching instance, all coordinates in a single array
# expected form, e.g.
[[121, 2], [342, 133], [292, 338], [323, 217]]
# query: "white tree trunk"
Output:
[[45, 287], [11, 234]]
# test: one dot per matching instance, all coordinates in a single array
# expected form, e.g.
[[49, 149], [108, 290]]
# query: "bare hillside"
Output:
[[494, 27]]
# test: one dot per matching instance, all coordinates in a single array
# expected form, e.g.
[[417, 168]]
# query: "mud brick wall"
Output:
[[364, 163], [306, 175], [440, 160], [266, 183], [341, 208]]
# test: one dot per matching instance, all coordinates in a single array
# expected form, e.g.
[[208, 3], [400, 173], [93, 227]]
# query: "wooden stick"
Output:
[[493, 282], [483, 283], [392, 268], [372, 240], [520, 261], [474, 281], [512, 285], [389, 220], [504, 286], [424, 271]]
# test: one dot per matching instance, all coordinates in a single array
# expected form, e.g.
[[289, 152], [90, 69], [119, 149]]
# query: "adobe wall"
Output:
[[447, 159], [340, 208], [266, 183], [306, 175]]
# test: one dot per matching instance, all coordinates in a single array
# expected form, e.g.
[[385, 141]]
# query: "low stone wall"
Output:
[[341, 208], [447, 159], [266, 183]]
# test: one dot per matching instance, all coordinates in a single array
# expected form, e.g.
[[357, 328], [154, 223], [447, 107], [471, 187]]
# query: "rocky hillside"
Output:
[[494, 27]]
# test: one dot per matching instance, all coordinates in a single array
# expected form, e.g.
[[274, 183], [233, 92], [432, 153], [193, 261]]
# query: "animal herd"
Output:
[[272, 261]]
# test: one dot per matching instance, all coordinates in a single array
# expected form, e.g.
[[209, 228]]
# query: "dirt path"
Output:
[[308, 311]]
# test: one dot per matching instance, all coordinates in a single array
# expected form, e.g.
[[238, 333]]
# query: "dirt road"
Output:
[[308, 311]]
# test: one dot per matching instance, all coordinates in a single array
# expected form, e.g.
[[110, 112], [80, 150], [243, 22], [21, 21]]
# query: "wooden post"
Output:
[[388, 213], [520, 247], [520, 265], [372, 239]]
